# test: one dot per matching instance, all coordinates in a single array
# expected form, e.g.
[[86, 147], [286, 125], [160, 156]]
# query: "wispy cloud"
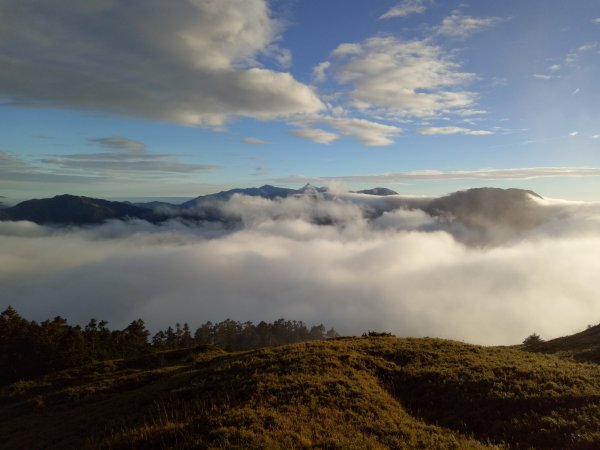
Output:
[[123, 155], [369, 133], [120, 144], [440, 175], [573, 133], [453, 130], [14, 169], [574, 56], [406, 8], [460, 26], [541, 76], [319, 72], [317, 135], [253, 141], [372, 134]]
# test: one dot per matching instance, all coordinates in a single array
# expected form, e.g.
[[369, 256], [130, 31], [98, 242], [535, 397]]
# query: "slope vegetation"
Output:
[[343, 393], [583, 346]]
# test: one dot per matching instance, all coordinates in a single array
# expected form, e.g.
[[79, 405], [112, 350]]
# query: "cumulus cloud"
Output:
[[403, 271], [406, 8], [460, 26], [401, 79], [195, 63], [453, 130]]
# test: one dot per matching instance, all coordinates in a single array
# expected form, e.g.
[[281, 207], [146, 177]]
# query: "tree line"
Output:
[[29, 349]]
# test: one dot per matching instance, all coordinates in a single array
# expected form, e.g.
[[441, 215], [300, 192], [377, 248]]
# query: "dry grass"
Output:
[[345, 393]]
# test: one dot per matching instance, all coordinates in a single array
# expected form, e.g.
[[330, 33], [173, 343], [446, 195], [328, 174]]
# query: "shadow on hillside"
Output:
[[477, 408]]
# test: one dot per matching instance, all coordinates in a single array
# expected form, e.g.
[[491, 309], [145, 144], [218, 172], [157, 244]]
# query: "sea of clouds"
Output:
[[350, 261]]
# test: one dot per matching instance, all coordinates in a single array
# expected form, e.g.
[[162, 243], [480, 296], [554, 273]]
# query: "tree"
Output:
[[532, 340]]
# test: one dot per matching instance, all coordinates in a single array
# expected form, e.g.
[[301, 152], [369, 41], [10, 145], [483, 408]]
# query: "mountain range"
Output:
[[478, 208]]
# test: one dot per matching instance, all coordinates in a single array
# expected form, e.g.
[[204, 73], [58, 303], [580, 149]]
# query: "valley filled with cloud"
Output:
[[482, 267]]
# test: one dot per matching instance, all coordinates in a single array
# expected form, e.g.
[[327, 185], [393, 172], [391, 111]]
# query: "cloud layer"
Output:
[[320, 260]]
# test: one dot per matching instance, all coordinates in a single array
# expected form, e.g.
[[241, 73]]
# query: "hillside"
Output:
[[488, 207], [74, 210], [342, 393], [583, 346]]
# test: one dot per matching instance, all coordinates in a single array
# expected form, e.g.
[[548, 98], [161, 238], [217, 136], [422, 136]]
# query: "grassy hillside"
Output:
[[344, 393], [583, 346]]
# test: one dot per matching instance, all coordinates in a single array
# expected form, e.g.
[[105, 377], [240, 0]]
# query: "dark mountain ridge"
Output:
[[75, 210], [480, 209], [267, 191]]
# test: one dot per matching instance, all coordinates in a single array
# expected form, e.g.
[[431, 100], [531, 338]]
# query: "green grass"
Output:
[[351, 393]]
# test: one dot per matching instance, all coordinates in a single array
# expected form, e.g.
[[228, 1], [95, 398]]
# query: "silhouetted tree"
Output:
[[532, 340]]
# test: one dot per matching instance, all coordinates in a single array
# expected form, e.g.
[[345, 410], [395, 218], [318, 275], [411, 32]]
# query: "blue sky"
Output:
[[129, 99]]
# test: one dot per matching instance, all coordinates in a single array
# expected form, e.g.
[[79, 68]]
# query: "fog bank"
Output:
[[328, 260]]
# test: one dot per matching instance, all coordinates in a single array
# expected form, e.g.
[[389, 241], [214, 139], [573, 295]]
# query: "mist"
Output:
[[351, 261]]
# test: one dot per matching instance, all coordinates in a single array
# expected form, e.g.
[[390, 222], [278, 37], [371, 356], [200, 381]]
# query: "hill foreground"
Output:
[[342, 393]]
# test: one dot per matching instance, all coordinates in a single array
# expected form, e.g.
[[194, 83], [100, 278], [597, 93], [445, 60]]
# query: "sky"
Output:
[[124, 99]]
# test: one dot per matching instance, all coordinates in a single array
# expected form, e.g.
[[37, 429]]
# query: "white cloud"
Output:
[[195, 63], [407, 7], [541, 76], [401, 272], [576, 91], [574, 56], [573, 133], [401, 79], [369, 133], [596, 136], [554, 67], [319, 70], [459, 26], [316, 135], [453, 130], [596, 20], [254, 141]]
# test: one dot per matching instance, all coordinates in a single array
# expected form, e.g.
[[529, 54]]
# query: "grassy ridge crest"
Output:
[[341, 393]]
